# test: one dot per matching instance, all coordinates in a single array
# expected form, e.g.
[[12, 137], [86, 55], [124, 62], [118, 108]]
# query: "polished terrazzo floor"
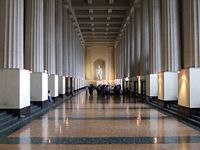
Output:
[[109, 123]]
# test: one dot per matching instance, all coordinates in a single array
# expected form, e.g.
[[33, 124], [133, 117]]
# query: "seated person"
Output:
[[50, 98]]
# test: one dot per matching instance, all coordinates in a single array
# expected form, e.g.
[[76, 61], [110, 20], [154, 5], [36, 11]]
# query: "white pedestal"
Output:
[[168, 86], [14, 88], [189, 83], [53, 85], [39, 86], [61, 85], [75, 84], [152, 85], [100, 82], [79, 84], [139, 85]]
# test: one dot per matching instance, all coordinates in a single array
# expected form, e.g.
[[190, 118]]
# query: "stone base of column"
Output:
[[66, 85], [188, 111], [152, 85], [53, 85], [39, 87], [75, 84], [42, 104], [150, 98], [71, 86], [163, 103], [134, 81], [15, 91], [188, 93], [19, 112], [167, 88], [61, 85], [78, 85], [141, 86]]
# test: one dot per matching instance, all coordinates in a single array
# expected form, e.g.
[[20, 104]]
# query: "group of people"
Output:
[[105, 90]]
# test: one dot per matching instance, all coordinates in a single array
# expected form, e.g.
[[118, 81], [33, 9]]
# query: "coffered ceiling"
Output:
[[100, 21]]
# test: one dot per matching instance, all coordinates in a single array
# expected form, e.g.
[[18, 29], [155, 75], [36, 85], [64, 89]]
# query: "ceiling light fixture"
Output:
[[109, 11], [91, 11], [111, 1], [108, 18], [89, 1], [91, 18]]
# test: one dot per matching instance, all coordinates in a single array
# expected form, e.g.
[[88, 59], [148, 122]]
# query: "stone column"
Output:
[[144, 37], [34, 58], [49, 45], [132, 60], [168, 79], [189, 80], [34, 50], [59, 46], [73, 51], [66, 42], [66, 47], [59, 37], [49, 36], [128, 50], [70, 48], [12, 37], [154, 47], [13, 79], [123, 55], [170, 35], [125, 50], [144, 57], [137, 51], [155, 36], [120, 59]]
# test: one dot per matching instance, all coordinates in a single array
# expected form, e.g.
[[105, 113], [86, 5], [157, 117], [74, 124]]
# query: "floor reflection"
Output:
[[103, 122]]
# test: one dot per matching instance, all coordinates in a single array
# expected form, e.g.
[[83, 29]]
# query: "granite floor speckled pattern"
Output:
[[109, 123]]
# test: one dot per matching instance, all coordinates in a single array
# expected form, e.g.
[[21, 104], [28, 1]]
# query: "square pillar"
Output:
[[141, 85], [39, 88], [53, 85], [135, 86], [188, 92], [71, 85], [152, 85], [167, 87], [66, 85], [74, 83], [15, 91], [61, 84], [79, 81]]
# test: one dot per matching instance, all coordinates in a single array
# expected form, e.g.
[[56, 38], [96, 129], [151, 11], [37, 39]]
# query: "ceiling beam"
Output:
[[70, 8], [89, 1], [96, 7], [100, 23], [100, 16], [111, 1], [100, 32], [100, 36], [100, 12], [100, 28]]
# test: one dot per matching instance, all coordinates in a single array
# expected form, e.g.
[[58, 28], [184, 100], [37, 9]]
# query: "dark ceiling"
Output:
[[100, 21]]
